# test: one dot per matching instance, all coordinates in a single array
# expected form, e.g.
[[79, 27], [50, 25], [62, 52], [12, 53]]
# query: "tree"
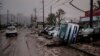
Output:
[[59, 15], [51, 19]]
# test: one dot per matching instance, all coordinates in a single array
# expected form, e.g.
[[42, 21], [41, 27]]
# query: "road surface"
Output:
[[16, 46], [28, 44]]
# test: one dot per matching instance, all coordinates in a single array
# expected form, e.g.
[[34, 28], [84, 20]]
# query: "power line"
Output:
[[55, 1], [50, 4], [75, 6], [53, 6], [59, 4]]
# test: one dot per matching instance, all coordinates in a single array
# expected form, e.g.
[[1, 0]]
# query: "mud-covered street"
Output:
[[49, 27], [30, 44]]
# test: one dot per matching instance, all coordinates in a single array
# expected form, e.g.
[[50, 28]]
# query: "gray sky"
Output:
[[21, 6], [26, 7]]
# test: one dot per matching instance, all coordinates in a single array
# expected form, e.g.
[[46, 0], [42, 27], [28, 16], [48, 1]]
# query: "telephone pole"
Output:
[[7, 17], [31, 20], [35, 18], [91, 13], [43, 13], [35, 14], [0, 13], [50, 9]]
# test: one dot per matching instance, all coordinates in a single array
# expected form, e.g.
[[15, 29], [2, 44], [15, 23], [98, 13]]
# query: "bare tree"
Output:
[[59, 15]]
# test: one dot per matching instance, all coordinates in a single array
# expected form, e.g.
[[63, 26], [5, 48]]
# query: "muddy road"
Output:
[[28, 44]]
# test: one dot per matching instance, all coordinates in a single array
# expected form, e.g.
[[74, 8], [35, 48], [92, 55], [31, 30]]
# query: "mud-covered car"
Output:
[[54, 31], [11, 31]]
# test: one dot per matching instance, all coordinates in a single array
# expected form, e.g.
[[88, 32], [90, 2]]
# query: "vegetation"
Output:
[[51, 19], [59, 15]]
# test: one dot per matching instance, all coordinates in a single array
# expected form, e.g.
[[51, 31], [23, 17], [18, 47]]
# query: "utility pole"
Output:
[[31, 20], [43, 14], [50, 9], [17, 20], [35, 18], [35, 14], [91, 13], [0, 13], [59, 19], [7, 17]]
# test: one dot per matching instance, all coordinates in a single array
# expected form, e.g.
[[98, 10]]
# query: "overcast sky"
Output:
[[26, 7]]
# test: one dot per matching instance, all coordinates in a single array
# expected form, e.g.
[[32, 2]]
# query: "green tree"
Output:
[[51, 19], [59, 15]]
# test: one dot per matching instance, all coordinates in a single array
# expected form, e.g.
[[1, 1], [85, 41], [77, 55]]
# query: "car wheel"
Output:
[[52, 34], [7, 36], [16, 34]]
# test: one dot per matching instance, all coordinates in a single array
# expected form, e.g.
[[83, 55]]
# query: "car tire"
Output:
[[52, 34], [7, 36], [16, 34]]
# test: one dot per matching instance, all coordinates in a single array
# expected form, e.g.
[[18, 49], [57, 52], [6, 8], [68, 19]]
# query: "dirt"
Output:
[[89, 48], [55, 50]]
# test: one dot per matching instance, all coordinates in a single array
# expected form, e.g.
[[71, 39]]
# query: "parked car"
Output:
[[11, 31], [87, 31], [54, 31], [46, 30], [43, 31], [55, 34], [49, 29]]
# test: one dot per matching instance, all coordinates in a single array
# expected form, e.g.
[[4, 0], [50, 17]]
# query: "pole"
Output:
[[43, 14], [91, 13], [31, 20], [17, 21], [35, 18], [35, 14], [0, 13], [7, 17], [59, 20], [0, 19], [50, 9]]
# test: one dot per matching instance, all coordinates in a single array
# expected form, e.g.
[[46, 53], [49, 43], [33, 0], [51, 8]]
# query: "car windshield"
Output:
[[46, 28], [56, 28], [11, 28], [51, 28]]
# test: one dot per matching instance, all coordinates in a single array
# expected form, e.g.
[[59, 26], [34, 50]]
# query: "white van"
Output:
[[68, 32]]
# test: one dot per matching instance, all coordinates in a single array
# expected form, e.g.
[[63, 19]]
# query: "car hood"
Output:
[[9, 31]]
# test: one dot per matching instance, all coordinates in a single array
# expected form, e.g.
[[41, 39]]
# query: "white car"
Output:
[[54, 31], [55, 34], [87, 31], [11, 31]]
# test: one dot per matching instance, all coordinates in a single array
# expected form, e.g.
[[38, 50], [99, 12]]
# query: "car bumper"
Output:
[[11, 34]]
